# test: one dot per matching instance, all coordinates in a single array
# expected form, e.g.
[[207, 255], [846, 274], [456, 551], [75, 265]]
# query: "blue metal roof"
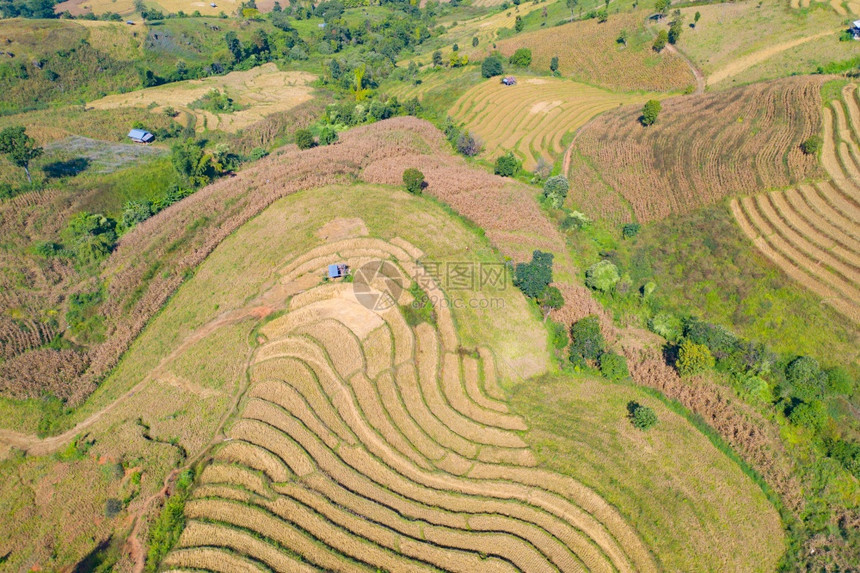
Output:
[[333, 271], [140, 134]]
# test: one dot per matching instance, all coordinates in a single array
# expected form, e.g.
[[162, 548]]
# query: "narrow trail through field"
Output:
[[35, 446], [700, 77], [737, 66]]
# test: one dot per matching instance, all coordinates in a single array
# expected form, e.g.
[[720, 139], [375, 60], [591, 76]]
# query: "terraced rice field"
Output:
[[812, 232], [367, 444], [532, 117]]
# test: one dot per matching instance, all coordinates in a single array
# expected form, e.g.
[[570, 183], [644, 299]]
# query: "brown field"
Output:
[[588, 51], [811, 232], [702, 149], [126, 7], [262, 91]]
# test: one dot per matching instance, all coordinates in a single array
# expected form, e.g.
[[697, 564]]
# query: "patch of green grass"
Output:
[[693, 505]]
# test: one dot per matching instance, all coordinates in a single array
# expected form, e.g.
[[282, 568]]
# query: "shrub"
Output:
[[551, 299], [413, 180], [804, 378], [630, 230], [756, 388], [650, 112], [519, 24], [328, 136], [660, 41], [468, 145], [492, 66], [532, 278], [675, 29], [555, 190], [522, 58], [304, 139], [812, 145], [642, 417], [507, 165], [693, 358], [112, 507], [553, 64], [839, 381], [720, 341], [613, 366], [558, 335], [812, 415], [602, 276], [846, 453], [576, 220], [586, 340], [666, 325]]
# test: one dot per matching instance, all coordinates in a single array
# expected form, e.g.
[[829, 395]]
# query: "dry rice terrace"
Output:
[[702, 149], [262, 91], [365, 443], [532, 117], [812, 232]]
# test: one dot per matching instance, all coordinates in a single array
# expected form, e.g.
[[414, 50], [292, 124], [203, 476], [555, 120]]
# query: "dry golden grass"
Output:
[[532, 117], [254, 457], [263, 90]]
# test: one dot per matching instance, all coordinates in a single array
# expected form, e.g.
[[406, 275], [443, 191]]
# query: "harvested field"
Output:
[[702, 149], [419, 434], [532, 117], [262, 91], [811, 232], [590, 52]]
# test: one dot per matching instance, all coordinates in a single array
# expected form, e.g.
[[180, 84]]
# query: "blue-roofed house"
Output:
[[140, 136], [337, 271]]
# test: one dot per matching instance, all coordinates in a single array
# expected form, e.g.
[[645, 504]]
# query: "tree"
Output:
[[613, 366], [804, 379], [693, 358], [91, 236], [602, 276], [660, 41], [551, 299], [696, 19], [135, 212], [455, 48], [437, 59], [492, 66], [468, 145], [413, 180], [571, 5], [642, 417], [586, 340], [666, 325], [533, 277], [622, 37], [522, 58], [812, 145], [675, 29], [662, 6], [553, 64], [630, 230], [650, 112], [555, 190], [507, 165], [327, 135], [812, 415], [112, 507], [19, 147], [475, 41], [304, 139], [519, 24], [189, 161]]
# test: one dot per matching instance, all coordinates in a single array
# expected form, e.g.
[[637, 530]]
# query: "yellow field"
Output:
[[811, 232], [532, 117], [262, 91], [126, 7]]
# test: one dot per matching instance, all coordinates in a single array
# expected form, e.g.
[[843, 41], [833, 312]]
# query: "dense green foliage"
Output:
[[413, 180], [304, 139], [811, 145], [420, 309], [586, 340], [19, 147], [555, 190], [533, 277], [650, 112], [507, 165], [693, 358], [492, 66], [642, 417], [216, 101], [613, 366], [522, 58], [602, 275], [164, 532]]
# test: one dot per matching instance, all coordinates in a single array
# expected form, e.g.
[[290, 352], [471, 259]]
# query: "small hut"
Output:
[[337, 271], [140, 136], [509, 80]]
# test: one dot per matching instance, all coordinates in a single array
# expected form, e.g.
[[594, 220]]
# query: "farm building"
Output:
[[855, 29], [140, 136], [509, 80], [337, 271]]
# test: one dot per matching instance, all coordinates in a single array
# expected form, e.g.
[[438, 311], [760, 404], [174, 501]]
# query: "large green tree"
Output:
[[19, 147]]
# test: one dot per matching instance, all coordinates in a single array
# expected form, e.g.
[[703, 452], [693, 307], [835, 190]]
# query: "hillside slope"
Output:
[[701, 149]]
